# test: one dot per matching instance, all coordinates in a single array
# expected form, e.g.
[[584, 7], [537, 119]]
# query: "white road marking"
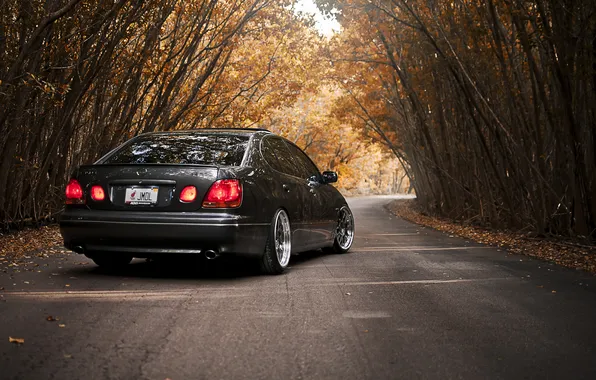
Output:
[[400, 234], [415, 248], [216, 292], [128, 295], [355, 314], [421, 282]]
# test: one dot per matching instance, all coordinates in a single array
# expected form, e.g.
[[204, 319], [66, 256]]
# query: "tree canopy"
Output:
[[487, 106]]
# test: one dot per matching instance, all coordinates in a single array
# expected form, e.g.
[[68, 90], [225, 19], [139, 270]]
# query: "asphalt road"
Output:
[[406, 303]]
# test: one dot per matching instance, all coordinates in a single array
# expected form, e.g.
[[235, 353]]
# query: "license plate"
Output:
[[141, 195]]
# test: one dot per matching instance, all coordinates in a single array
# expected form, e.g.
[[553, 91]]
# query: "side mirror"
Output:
[[329, 177]]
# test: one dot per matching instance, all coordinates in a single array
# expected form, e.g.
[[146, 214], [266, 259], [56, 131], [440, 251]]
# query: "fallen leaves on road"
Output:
[[16, 340], [62, 325], [49, 318], [19, 243], [563, 253]]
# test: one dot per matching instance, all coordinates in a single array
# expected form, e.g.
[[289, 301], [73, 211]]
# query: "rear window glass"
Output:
[[201, 149]]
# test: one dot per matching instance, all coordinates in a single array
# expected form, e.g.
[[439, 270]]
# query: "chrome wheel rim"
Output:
[[345, 229], [283, 241]]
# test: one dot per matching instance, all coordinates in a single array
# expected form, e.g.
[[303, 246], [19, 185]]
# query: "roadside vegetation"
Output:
[[79, 77], [484, 108], [488, 104]]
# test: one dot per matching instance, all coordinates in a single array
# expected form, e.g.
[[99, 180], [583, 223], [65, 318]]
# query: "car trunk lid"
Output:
[[152, 187]]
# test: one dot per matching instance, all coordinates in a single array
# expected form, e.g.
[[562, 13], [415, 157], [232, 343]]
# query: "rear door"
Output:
[[321, 219], [293, 192]]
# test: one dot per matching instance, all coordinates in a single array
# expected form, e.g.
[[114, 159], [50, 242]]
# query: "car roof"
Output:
[[233, 131]]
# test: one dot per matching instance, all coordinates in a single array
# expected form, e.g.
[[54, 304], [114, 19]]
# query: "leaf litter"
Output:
[[20, 243], [564, 253], [19, 249]]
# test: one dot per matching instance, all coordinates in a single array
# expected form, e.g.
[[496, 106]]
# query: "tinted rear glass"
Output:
[[202, 149]]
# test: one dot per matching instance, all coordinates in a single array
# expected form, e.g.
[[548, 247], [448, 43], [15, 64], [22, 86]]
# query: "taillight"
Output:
[[74, 192], [97, 193], [188, 194], [225, 193]]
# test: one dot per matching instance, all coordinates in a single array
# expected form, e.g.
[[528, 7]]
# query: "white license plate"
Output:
[[141, 195]]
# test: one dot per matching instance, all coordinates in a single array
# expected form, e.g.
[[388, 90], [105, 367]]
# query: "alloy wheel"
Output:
[[282, 236], [345, 229]]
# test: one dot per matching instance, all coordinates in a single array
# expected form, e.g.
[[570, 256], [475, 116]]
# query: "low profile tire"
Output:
[[108, 261], [344, 232], [279, 245]]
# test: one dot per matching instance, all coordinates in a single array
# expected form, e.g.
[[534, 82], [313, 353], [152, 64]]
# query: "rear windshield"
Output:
[[202, 149]]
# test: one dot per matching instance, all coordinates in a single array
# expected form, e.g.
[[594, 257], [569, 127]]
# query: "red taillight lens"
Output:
[[188, 194], [97, 193], [225, 193], [74, 192]]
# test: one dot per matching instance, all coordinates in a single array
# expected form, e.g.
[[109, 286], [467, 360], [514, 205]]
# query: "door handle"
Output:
[[286, 188]]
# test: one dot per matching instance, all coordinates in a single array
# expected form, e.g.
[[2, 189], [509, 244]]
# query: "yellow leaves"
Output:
[[16, 340], [276, 60], [319, 122]]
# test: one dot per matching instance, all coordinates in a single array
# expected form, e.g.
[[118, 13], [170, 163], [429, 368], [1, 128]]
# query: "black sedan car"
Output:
[[205, 192]]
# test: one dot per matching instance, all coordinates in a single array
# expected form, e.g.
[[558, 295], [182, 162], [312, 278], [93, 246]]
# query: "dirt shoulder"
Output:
[[567, 254]]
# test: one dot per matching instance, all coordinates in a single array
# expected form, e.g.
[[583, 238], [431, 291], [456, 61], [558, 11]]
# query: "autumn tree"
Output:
[[490, 103], [78, 77], [317, 124]]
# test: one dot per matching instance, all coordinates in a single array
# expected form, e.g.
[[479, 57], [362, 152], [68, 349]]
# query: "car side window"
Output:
[[277, 155], [304, 164]]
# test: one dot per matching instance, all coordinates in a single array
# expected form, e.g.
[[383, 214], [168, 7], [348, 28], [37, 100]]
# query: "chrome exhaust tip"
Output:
[[211, 254]]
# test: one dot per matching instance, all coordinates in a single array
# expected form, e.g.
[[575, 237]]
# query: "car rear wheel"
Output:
[[279, 245], [110, 261], [344, 232]]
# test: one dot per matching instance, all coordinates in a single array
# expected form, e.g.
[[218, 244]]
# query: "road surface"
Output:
[[406, 303]]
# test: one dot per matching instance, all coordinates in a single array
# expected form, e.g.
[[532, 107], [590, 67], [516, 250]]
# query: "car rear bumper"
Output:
[[144, 234]]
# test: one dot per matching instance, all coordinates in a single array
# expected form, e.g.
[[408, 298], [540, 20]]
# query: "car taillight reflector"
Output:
[[97, 193], [188, 194], [225, 193], [74, 192]]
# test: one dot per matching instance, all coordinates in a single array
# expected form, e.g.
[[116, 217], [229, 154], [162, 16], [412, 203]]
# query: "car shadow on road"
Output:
[[222, 268]]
